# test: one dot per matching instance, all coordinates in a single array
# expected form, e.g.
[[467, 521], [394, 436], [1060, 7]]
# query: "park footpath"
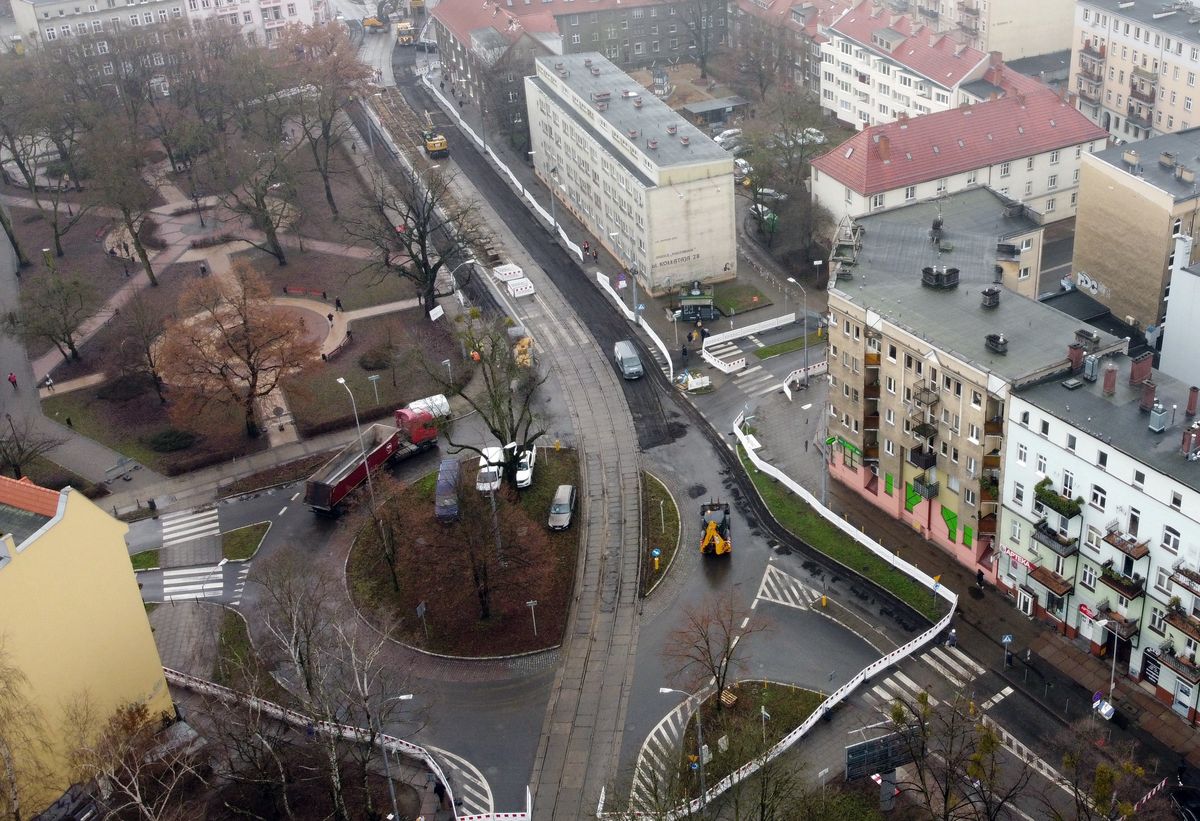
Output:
[[1047, 667]]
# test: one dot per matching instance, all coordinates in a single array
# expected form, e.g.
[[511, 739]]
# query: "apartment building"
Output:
[[1133, 200], [878, 64], [655, 191], [1134, 66], [1003, 26], [789, 31], [1181, 325], [58, 21], [1099, 533], [74, 623], [925, 345], [1028, 147]]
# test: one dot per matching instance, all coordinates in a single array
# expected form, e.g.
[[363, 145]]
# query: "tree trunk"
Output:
[[131, 227], [58, 249], [252, 431], [482, 591], [70, 340], [273, 240], [22, 260], [329, 193], [323, 170]]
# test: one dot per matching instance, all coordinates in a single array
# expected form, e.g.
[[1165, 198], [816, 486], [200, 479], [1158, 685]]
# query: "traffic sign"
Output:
[[655, 553], [1007, 640], [1097, 697]]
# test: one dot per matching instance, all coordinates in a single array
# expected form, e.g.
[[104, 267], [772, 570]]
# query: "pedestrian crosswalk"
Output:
[[658, 761], [951, 663], [756, 381], [472, 795], [189, 525], [187, 583], [783, 588]]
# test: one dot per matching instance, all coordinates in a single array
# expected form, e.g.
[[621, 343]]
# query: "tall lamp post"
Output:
[[387, 767], [454, 270], [699, 742], [804, 291], [363, 449]]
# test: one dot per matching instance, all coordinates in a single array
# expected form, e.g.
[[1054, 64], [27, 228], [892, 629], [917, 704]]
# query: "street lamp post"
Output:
[[454, 270], [211, 573], [699, 742], [387, 766], [804, 291], [363, 449]]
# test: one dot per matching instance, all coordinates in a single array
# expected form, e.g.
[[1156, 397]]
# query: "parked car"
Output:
[[771, 195], [728, 135], [445, 503], [491, 467], [525, 463], [812, 136], [562, 508], [627, 359], [761, 213], [741, 169]]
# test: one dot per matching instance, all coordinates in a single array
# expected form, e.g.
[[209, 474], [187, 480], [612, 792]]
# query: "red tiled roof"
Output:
[[462, 17], [779, 12], [25, 495], [932, 55], [907, 152]]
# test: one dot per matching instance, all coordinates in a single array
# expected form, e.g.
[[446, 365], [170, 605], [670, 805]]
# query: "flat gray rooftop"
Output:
[[1118, 421], [20, 523], [1185, 145], [650, 121], [1174, 24], [1045, 67], [887, 280]]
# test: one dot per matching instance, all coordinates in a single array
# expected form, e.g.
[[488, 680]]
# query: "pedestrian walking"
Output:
[[337, 303], [12, 379], [49, 384], [330, 318], [685, 353], [440, 791], [203, 270], [353, 147], [595, 255], [443, 85], [952, 641], [979, 578], [587, 248]]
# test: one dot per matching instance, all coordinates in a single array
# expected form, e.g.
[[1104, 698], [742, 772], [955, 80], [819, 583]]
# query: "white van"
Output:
[[438, 406], [628, 361]]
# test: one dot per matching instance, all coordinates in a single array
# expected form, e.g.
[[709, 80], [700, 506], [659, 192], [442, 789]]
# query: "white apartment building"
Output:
[[1004, 26], [1135, 66], [1100, 516], [48, 22], [1027, 147], [1181, 327], [651, 187], [877, 65]]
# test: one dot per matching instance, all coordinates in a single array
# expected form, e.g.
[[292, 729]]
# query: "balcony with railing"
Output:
[[871, 421], [993, 427], [1145, 74], [871, 390], [1091, 52], [1183, 576], [968, 8], [1127, 544], [1139, 115], [1185, 667], [987, 525], [925, 487], [969, 25], [926, 431], [1046, 535], [1145, 95], [926, 395], [1185, 623], [1064, 506], [1091, 94], [923, 458], [1131, 587], [991, 461], [871, 359]]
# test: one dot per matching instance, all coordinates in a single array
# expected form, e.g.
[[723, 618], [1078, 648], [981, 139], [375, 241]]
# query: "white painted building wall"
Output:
[[1181, 328]]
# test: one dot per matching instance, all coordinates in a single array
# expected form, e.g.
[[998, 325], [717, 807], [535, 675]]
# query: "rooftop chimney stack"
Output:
[[1110, 379], [1140, 367], [1191, 439], [1075, 354], [1148, 391], [1193, 400]]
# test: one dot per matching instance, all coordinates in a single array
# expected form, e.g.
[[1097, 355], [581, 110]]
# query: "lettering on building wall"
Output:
[[679, 259], [1089, 285]]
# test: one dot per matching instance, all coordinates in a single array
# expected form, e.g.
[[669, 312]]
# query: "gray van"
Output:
[[628, 361], [445, 498]]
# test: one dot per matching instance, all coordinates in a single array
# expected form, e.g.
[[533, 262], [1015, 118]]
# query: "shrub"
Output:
[[376, 359], [171, 439]]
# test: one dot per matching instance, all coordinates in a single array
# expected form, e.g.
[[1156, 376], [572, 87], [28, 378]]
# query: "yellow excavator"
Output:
[[714, 521]]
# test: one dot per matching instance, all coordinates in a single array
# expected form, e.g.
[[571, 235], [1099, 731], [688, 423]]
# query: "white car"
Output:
[[525, 463], [741, 169], [727, 136], [812, 136], [491, 469]]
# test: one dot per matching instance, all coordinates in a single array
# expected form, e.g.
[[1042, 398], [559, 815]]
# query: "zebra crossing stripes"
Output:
[[472, 794], [723, 349], [756, 381], [188, 583], [240, 584], [896, 687], [184, 527], [658, 759], [996, 699], [785, 589], [952, 664]]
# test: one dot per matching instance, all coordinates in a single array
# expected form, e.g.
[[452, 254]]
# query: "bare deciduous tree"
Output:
[[25, 749], [21, 444], [230, 345], [142, 327], [52, 309], [705, 646]]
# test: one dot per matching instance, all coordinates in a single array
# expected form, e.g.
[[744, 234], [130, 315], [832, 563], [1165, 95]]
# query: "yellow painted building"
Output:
[[71, 617]]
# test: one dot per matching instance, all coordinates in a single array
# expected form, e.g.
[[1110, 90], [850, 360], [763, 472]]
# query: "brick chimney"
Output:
[[1140, 367], [1148, 391], [1110, 379], [1191, 439], [1193, 400], [1075, 354]]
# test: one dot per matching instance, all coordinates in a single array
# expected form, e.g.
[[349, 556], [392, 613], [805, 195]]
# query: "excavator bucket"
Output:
[[715, 527]]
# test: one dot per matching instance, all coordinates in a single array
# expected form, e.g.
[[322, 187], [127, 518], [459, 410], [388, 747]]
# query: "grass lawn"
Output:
[[238, 666], [815, 339], [733, 298], [433, 566], [41, 471], [243, 543], [337, 276], [145, 560], [278, 475], [319, 403], [741, 723], [150, 606], [796, 515], [126, 423], [660, 523]]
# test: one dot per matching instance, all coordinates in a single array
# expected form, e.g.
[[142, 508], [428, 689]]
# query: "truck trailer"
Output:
[[414, 432]]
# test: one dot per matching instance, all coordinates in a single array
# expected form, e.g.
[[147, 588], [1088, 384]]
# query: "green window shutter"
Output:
[[888, 483], [911, 497], [968, 535], [951, 519]]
